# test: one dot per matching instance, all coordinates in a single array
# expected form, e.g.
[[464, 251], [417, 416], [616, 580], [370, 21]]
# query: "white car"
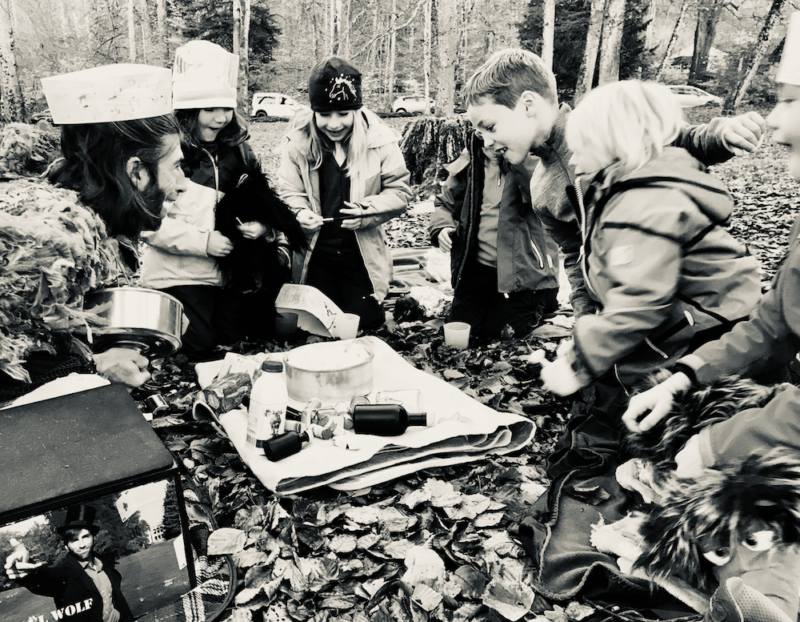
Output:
[[413, 103], [691, 96], [275, 105]]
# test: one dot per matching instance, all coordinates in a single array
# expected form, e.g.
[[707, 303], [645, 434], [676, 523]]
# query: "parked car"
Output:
[[275, 105], [413, 103], [43, 115], [691, 96]]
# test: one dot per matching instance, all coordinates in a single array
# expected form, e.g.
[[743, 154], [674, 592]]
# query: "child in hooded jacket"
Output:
[[340, 161], [657, 260], [181, 257]]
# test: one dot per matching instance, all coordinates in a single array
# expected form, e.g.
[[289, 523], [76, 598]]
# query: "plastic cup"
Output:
[[345, 326], [286, 324], [456, 334]]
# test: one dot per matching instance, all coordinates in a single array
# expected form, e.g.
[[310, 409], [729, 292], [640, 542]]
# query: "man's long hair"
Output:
[[95, 156]]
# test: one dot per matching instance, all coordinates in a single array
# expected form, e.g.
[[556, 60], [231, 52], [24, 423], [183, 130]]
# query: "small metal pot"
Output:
[[306, 380], [143, 319]]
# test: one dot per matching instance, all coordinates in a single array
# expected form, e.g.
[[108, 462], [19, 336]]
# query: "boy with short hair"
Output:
[[512, 101]]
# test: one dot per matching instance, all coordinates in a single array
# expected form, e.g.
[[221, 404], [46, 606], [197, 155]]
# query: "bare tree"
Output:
[[448, 47], [131, 33], [771, 22], [244, 55], [13, 104], [161, 29], [708, 12], [672, 40], [145, 23], [613, 22], [426, 46], [548, 32], [586, 75], [392, 49]]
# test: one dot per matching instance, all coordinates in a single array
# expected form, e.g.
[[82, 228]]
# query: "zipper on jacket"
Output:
[[216, 177], [538, 254]]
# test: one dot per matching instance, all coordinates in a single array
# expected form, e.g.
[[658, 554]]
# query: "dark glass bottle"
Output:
[[284, 445], [385, 419]]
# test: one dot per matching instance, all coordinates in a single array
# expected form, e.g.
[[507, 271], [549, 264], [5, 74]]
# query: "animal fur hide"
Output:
[[253, 265], [699, 523]]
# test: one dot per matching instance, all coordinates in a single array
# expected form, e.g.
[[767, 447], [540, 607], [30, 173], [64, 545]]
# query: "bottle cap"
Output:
[[275, 367]]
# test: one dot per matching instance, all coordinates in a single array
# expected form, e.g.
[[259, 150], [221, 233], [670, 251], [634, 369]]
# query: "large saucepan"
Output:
[[146, 320]]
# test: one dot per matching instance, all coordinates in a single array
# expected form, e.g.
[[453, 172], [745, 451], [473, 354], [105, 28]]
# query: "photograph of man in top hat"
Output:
[[84, 586]]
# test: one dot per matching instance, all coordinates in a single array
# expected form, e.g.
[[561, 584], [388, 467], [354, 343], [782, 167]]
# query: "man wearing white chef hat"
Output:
[[121, 155]]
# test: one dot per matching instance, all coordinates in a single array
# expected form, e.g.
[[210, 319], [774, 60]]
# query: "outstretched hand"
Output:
[[123, 366], [656, 401], [17, 564], [743, 134]]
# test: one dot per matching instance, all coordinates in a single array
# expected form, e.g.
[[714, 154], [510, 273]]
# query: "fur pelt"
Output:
[[722, 508], [253, 265], [692, 411]]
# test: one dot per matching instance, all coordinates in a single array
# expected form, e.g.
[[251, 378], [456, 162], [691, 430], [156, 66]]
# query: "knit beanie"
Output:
[[204, 76], [334, 85]]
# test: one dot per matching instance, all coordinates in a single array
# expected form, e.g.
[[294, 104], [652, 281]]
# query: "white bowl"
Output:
[[333, 371]]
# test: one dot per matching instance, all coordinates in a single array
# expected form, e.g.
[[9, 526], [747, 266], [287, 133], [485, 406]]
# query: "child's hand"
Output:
[[445, 243], [743, 134], [218, 245], [309, 220], [352, 209], [252, 230], [122, 366]]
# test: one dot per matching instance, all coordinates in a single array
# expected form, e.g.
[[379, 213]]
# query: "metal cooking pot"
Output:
[[146, 320]]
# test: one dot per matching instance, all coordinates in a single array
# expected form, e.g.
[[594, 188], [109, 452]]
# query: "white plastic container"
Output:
[[267, 414]]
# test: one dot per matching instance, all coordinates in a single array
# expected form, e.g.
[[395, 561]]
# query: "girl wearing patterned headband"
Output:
[[340, 161]]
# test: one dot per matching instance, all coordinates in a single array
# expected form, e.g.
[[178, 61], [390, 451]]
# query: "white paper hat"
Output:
[[109, 93], [789, 69], [204, 76]]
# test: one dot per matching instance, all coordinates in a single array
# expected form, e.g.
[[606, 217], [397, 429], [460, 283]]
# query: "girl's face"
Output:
[[211, 120], [586, 159], [335, 125], [785, 121]]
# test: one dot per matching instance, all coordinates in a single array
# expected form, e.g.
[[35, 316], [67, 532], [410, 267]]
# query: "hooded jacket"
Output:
[[527, 259], [660, 265], [557, 212], [177, 253], [382, 190]]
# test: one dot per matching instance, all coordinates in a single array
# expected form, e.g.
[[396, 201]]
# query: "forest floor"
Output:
[[316, 556]]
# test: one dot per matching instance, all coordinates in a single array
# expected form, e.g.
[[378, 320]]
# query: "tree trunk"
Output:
[[131, 33], [426, 47], [448, 46], [430, 143], [244, 59], [672, 41], [548, 32], [161, 29], [773, 19], [649, 33], [331, 25], [337, 28], [589, 62], [236, 23], [392, 45], [708, 13], [344, 46], [145, 22], [611, 43], [12, 106]]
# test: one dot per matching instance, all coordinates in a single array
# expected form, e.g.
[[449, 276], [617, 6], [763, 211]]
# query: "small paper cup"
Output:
[[456, 334], [286, 324], [345, 326]]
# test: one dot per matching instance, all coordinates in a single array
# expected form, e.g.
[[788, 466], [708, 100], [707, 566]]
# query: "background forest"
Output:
[[425, 47]]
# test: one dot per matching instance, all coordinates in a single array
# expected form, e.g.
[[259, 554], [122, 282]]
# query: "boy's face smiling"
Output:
[[785, 121], [513, 133]]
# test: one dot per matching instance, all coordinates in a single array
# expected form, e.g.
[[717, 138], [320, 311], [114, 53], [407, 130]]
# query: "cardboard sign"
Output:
[[315, 311]]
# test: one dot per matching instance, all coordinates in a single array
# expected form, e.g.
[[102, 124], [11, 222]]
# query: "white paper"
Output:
[[315, 311]]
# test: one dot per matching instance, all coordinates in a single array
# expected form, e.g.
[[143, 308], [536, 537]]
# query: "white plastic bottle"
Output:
[[267, 414]]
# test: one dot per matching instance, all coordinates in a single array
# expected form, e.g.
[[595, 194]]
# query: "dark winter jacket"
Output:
[[68, 584], [527, 259], [769, 338], [660, 265], [560, 215]]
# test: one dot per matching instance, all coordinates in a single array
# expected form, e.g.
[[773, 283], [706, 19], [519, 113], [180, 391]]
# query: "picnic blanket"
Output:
[[464, 430]]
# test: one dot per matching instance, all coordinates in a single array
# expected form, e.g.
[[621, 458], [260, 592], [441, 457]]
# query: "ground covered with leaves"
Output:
[[438, 544]]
